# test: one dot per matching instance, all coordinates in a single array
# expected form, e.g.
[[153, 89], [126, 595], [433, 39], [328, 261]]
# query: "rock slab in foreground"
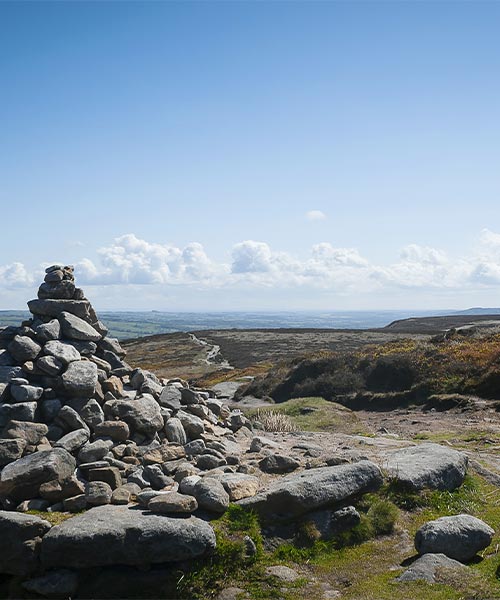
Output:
[[428, 466], [303, 492], [117, 535], [20, 537], [460, 537], [428, 566]]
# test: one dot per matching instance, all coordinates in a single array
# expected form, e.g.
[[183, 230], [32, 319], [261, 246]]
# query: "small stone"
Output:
[[26, 393], [174, 431], [172, 502], [23, 348], [74, 440], [284, 574], [95, 451], [118, 431], [110, 475], [76, 503], [211, 495], [121, 496], [48, 331], [65, 353], [50, 365], [278, 463], [98, 493], [11, 450], [80, 379]]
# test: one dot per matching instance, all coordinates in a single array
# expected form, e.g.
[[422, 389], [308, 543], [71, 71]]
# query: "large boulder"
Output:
[[460, 537], [309, 490], [20, 537], [53, 308], [80, 379], [21, 479], [117, 535], [428, 466], [428, 566], [142, 414]]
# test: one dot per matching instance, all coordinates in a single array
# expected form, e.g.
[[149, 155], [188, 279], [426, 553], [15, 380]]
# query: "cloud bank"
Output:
[[129, 260]]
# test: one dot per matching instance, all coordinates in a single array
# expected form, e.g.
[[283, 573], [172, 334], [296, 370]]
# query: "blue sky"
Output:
[[253, 155]]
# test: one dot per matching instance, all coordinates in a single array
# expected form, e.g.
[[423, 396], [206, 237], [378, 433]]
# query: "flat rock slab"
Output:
[[428, 466], [309, 490], [460, 537], [428, 566], [118, 535]]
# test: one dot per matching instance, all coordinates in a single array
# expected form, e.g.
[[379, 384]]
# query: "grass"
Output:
[[324, 416]]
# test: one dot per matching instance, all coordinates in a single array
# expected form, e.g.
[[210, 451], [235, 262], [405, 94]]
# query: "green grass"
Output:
[[325, 416]]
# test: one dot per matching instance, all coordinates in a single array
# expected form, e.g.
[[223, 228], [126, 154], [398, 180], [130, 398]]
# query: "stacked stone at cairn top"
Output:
[[79, 427]]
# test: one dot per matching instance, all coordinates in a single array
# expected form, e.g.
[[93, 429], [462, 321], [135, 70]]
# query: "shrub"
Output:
[[393, 373], [383, 515]]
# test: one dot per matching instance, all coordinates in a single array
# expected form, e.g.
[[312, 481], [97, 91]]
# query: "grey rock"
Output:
[[7, 373], [73, 440], [80, 379], [75, 503], [92, 413], [189, 396], [278, 463], [460, 537], [211, 495], [121, 496], [60, 583], [22, 411], [11, 450], [109, 475], [174, 431], [23, 348], [6, 359], [26, 393], [98, 493], [428, 466], [111, 535], [172, 502], [50, 365], [20, 538], [157, 477], [85, 348], [142, 414], [426, 567], [31, 433], [49, 409], [58, 290], [284, 574], [240, 485], [48, 331], [193, 425], [63, 352], [109, 344], [77, 329], [170, 397], [313, 489], [53, 308], [21, 479], [195, 448], [95, 451], [206, 462], [69, 419]]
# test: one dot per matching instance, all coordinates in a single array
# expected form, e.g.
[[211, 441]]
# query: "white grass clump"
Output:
[[272, 420]]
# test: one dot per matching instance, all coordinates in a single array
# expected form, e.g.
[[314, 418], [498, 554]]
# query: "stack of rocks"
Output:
[[82, 428]]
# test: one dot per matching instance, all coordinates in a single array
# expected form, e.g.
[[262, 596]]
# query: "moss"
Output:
[[54, 518]]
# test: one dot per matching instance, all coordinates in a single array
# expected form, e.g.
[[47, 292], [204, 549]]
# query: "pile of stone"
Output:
[[146, 462]]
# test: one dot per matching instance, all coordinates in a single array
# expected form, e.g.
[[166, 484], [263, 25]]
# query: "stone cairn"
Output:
[[81, 431]]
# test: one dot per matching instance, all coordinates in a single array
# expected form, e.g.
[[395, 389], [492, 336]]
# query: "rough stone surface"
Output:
[[61, 583], [175, 431], [80, 379], [20, 537], [211, 495], [300, 493], [11, 450], [23, 348], [77, 329], [111, 535], [142, 414], [460, 537], [172, 502], [426, 567], [65, 353], [98, 493], [21, 479], [278, 463], [428, 466]]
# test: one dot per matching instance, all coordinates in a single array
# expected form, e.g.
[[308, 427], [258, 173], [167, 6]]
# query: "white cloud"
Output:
[[316, 215], [130, 260], [15, 275]]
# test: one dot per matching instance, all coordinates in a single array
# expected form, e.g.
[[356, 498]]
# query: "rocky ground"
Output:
[[117, 483]]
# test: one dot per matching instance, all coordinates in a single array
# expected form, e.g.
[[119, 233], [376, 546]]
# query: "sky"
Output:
[[252, 155]]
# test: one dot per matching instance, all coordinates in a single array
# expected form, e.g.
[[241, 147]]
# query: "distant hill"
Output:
[[478, 311]]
